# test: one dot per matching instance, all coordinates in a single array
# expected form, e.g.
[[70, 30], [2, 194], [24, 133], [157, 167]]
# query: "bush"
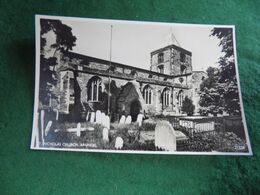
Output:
[[147, 146], [148, 126], [187, 106], [221, 142], [124, 127], [230, 142]]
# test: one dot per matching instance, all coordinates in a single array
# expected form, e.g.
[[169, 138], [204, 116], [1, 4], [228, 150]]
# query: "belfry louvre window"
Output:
[[166, 97], [94, 89], [183, 69], [160, 57], [161, 69], [147, 94], [182, 57]]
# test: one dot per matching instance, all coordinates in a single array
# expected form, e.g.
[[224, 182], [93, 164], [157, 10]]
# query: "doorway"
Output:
[[135, 109]]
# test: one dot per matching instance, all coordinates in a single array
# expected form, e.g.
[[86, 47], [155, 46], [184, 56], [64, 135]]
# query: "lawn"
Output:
[[139, 138]]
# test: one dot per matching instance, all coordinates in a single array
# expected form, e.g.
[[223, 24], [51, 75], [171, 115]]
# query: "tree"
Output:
[[48, 78], [187, 106], [227, 78], [63, 41], [211, 98]]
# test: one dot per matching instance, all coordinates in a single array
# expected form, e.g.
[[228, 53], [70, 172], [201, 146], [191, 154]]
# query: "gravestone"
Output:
[[122, 119], [48, 127], [119, 143], [57, 114], [87, 117], [90, 128], [165, 136], [78, 129], [105, 135], [103, 115], [140, 119], [92, 117], [106, 122], [128, 119], [98, 117], [103, 118]]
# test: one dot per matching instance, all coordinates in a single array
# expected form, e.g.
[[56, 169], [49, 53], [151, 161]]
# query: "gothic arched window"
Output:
[[147, 94], [160, 58], [180, 97], [182, 57], [94, 89], [166, 97]]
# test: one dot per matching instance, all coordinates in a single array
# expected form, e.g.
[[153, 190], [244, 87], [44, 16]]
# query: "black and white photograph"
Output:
[[137, 87]]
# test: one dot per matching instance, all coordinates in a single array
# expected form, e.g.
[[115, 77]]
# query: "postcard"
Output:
[[137, 87]]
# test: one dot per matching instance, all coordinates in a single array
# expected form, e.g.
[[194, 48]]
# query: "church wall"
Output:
[[98, 66], [172, 61], [175, 57], [197, 79], [176, 62], [115, 88], [65, 91], [142, 74], [167, 66], [172, 66], [165, 62], [154, 108]]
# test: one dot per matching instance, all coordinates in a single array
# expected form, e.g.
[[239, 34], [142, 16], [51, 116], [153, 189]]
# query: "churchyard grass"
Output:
[[221, 140]]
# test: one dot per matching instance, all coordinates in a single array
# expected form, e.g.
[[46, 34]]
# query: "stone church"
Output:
[[85, 83]]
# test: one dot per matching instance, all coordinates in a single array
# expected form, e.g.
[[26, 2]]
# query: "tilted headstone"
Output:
[[56, 114], [48, 127], [119, 143], [140, 119], [98, 117], [164, 136], [105, 135], [106, 122], [92, 117], [128, 119], [122, 119], [78, 129], [90, 128], [87, 117]]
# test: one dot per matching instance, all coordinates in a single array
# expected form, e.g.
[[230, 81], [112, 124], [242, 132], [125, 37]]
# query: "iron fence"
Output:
[[209, 125]]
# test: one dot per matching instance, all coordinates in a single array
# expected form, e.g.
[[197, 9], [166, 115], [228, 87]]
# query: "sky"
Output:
[[132, 42]]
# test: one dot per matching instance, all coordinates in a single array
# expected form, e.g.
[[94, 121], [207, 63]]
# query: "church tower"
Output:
[[171, 60]]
